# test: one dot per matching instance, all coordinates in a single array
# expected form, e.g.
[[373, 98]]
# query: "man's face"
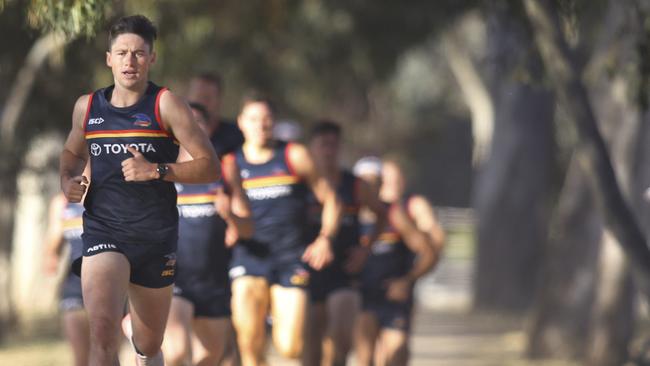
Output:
[[392, 181], [205, 93], [325, 149], [256, 123], [130, 58]]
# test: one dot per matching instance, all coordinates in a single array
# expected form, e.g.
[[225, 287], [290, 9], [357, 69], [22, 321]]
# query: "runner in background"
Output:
[[270, 271], [206, 89], [407, 249], [199, 320], [64, 235], [334, 294]]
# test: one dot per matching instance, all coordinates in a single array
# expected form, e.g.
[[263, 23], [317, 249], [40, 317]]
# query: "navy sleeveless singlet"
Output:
[[201, 253], [390, 258], [278, 199], [73, 228], [130, 212]]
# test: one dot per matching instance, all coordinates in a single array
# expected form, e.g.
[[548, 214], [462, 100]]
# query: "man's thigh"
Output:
[[343, 306], [249, 303], [104, 281], [289, 310]]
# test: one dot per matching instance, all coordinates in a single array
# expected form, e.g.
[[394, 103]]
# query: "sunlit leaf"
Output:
[[74, 18]]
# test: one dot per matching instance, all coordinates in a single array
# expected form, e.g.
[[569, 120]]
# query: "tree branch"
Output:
[[592, 151]]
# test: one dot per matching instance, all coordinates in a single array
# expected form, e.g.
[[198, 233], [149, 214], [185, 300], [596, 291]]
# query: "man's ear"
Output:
[[108, 59], [153, 58]]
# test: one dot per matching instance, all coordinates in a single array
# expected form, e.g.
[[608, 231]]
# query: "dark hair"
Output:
[[199, 107], [136, 24], [255, 96], [211, 78], [325, 127]]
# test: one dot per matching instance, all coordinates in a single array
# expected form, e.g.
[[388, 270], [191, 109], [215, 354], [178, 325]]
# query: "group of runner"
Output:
[[216, 231]]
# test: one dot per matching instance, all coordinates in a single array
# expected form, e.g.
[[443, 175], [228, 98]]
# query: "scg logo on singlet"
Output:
[[143, 147]]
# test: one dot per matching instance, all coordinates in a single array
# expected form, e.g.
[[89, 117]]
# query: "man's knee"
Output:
[[248, 339], [104, 332], [177, 356], [207, 359], [289, 348], [147, 347]]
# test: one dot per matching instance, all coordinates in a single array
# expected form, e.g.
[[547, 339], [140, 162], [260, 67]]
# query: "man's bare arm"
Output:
[[240, 210], [416, 240], [75, 154], [319, 253], [422, 213], [177, 118]]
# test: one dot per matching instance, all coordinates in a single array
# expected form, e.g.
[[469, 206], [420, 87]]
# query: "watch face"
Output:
[[162, 169]]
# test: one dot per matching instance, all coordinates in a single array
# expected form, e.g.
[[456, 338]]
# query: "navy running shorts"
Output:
[[286, 273], [153, 265]]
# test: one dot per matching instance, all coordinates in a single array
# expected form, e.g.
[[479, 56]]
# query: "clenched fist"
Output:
[[138, 168], [74, 188], [319, 253]]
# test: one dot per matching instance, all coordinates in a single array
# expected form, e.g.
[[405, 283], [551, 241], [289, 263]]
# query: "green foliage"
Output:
[[73, 18]]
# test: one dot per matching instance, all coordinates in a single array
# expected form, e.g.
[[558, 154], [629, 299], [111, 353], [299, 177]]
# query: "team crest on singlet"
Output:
[[141, 120]]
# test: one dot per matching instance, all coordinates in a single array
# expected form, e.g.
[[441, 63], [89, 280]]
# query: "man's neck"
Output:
[[258, 154], [123, 97], [331, 172]]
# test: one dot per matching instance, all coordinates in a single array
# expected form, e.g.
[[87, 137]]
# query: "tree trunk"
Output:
[[613, 317], [475, 93], [513, 187], [512, 200], [592, 150], [559, 321], [606, 323], [11, 161], [9, 168]]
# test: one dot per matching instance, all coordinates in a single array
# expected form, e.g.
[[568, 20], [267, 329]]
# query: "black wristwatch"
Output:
[[162, 170]]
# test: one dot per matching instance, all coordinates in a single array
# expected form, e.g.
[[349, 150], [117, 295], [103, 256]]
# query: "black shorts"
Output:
[[153, 264], [286, 273], [389, 314], [328, 280], [208, 301], [71, 298]]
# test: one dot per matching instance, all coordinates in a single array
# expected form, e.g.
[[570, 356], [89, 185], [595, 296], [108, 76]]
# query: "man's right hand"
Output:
[[74, 188]]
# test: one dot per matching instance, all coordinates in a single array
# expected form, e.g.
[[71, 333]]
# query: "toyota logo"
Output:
[[95, 149]]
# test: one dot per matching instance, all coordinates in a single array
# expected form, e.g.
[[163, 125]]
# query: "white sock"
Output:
[[142, 360]]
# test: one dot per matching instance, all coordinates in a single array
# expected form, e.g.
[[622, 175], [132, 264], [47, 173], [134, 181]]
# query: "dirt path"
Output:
[[440, 339]]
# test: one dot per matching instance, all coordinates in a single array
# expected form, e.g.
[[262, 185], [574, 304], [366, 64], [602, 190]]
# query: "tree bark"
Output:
[[11, 161], [513, 187], [475, 94], [558, 323], [592, 151], [612, 323]]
